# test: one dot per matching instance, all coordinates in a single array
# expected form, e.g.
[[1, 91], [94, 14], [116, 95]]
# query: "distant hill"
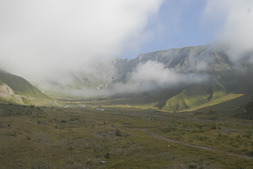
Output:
[[173, 80], [226, 80], [16, 89]]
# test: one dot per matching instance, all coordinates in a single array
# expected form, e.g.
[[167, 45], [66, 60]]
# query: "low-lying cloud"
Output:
[[236, 25], [153, 75], [149, 76], [50, 38]]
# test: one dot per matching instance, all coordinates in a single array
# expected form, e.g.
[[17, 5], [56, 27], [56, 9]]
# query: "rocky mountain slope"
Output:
[[174, 79]]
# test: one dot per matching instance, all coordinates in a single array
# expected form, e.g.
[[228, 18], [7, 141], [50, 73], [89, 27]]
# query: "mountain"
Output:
[[16, 89], [182, 79], [172, 80], [222, 78]]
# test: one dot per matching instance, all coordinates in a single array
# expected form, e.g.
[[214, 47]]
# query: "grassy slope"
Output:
[[20, 85], [226, 102], [195, 96]]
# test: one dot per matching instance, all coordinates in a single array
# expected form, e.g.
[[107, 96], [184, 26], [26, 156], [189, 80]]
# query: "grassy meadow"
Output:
[[122, 137]]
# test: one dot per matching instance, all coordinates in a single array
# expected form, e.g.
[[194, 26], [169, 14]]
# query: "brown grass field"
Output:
[[122, 138]]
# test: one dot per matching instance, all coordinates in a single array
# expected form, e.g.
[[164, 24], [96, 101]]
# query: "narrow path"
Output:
[[195, 146]]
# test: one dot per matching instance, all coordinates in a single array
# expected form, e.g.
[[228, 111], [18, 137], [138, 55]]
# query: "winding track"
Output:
[[195, 146]]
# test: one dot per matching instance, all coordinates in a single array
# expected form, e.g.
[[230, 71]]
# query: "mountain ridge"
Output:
[[173, 80]]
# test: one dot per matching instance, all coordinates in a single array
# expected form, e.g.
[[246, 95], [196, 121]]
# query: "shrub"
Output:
[[192, 166], [107, 155], [118, 133]]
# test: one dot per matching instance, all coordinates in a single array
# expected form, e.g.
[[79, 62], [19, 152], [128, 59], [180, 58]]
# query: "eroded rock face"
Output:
[[7, 94], [5, 89]]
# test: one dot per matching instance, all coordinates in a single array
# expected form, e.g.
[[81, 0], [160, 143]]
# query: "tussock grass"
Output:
[[42, 137]]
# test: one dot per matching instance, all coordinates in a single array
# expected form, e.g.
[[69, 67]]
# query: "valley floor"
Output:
[[81, 138]]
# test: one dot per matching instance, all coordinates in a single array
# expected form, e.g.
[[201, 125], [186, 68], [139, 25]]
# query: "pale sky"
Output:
[[43, 39], [179, 23]]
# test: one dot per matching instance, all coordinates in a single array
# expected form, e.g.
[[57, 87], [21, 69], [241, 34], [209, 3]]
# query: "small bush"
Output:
[[213, 127], [118, 133], [63, 121], [32, 106], [108, 155], [192, 166], [213, 118]]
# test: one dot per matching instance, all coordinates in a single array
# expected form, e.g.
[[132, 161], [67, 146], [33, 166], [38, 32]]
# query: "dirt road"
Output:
[[195, 146]]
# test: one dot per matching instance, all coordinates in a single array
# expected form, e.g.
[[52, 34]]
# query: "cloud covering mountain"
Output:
[[72, 45], [48, 39]]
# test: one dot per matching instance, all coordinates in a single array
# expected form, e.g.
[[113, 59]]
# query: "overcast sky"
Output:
[[43, 38]]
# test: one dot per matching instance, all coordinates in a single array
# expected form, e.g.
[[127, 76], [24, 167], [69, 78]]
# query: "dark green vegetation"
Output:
[[106, 137]]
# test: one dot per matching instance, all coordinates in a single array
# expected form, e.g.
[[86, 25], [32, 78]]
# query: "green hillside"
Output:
[[17, 90], [20, 86], [194, 96]]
